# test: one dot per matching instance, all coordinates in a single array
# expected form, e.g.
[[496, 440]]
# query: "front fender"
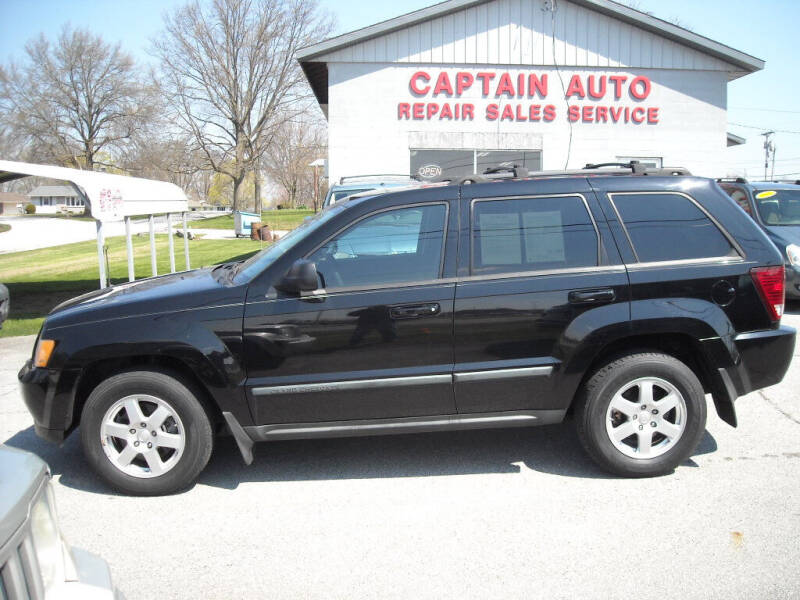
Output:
[[211, 348]]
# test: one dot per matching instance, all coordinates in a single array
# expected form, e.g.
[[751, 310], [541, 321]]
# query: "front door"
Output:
[[376, 342]]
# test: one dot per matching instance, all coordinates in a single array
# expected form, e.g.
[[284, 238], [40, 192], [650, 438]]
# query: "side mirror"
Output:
[[301, 277]]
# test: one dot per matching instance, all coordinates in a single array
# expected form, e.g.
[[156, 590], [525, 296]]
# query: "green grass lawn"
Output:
[[276, 219], [72, 217], [39, 279], [4, 227]]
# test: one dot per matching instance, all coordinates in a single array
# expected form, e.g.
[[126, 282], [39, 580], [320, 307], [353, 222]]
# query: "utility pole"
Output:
[[769, 150]]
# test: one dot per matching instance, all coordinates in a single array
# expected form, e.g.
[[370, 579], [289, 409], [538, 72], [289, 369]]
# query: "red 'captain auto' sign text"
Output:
[[523, 97]]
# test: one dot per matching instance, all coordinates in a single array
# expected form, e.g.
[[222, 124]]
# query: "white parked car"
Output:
[[35, 560]]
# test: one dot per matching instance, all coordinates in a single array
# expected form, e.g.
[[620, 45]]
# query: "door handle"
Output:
[[591, 296], [414, 311]]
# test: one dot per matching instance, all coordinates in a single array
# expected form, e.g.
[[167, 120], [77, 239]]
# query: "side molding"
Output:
[[368, 427]]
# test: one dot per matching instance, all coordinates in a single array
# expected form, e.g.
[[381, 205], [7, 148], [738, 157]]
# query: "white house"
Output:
[[467, 84], [51, 199]]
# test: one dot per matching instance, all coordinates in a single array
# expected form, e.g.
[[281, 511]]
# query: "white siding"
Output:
[[366, 136], [519, 32]]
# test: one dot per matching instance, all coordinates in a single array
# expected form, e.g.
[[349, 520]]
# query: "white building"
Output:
[[467, 84], [52, 199]]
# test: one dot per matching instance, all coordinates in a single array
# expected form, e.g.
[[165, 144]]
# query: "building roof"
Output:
[[45, 191], [735, 140], [313, 59]]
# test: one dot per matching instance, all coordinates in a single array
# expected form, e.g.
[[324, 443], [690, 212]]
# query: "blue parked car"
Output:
[[356, 184], [776, 208]]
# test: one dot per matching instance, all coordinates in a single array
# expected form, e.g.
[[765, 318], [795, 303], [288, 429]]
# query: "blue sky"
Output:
[[768, 30]]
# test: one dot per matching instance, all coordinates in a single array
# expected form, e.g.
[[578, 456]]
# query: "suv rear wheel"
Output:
[[146, 433], [641, 415]]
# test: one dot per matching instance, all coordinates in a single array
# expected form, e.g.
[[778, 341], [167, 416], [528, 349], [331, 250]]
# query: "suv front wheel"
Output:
[[146, 433], [641, 415]]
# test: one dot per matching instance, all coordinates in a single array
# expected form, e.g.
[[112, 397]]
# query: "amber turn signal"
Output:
[[43, 351]]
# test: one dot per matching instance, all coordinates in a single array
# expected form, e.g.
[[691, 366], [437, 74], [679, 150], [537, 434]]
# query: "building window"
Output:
[[430, 164], [652, 162]]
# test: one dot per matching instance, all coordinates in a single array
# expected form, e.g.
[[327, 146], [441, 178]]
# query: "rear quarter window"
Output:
[[666, 227]]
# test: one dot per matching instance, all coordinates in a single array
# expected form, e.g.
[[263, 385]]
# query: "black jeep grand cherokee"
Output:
[[618, 297]]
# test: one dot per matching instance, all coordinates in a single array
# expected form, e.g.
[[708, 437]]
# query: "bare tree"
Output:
[[75, 99], [295, 145], [229, 69], [168, 158]]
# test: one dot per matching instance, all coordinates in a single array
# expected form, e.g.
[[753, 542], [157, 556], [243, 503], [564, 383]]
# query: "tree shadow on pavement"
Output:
[[552, 449]]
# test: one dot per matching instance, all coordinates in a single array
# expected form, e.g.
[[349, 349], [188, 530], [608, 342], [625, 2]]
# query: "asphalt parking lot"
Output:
[[518, 513]]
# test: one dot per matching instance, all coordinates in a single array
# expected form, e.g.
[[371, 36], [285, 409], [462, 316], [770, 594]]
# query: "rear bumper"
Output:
[[764, 358], [49, 396]]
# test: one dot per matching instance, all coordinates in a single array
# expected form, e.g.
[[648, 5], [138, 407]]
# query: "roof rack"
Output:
[[504, 172], [731, 180], [373, 175]]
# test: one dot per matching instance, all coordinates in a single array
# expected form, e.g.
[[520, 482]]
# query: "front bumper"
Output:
[[49, 396], [92, 581]]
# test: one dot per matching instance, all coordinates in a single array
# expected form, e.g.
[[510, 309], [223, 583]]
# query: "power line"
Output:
[[772, 110], [762, 128]]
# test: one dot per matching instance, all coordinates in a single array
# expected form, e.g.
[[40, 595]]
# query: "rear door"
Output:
[[532, 266]]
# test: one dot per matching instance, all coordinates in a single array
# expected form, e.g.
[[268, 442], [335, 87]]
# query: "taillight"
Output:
[[770, 282]]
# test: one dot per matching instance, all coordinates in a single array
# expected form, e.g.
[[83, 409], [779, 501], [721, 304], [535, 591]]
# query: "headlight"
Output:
[[47, 540], [793, 252]]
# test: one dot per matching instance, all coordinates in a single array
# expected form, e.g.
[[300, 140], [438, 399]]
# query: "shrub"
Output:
[[301, 207], [30, 209]]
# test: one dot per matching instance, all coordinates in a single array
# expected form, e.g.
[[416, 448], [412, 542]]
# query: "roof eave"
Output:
[[745, 62]]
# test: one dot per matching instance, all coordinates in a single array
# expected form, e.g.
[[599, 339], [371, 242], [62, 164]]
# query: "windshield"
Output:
[[260, 261], [778, 207]]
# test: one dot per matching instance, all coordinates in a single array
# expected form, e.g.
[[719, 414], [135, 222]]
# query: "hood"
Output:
[[188, 290], [21, 474]]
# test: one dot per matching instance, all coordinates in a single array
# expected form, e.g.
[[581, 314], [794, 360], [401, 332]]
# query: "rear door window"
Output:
[[666, 227], [531, 234]]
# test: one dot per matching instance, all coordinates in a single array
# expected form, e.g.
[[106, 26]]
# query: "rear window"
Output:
[[670, 227], [530, 234]]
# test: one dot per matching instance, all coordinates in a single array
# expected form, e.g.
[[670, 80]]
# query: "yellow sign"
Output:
[[765, 195]]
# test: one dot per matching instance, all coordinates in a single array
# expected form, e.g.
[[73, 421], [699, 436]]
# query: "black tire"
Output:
[[197, 434], [592, 414]]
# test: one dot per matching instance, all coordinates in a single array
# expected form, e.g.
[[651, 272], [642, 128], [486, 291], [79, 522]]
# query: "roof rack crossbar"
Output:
[[343, 179], [506, 173], [731, 180], [515, 171]]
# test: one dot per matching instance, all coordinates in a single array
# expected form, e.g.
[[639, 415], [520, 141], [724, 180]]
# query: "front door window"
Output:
[[395, 246]]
